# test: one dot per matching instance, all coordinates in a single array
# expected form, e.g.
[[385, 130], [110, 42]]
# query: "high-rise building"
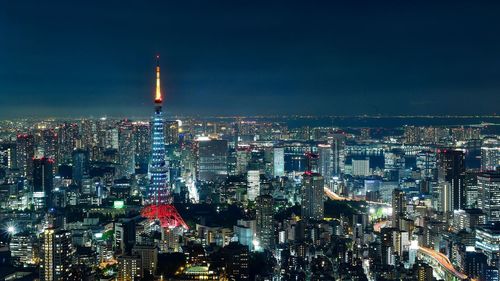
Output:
[[490, 154], [81, 165], [253, 184], [142, 146], [236, 261], [398, 207], [337, 141], [265, 226], [489, 195], [325, 161], [25, 150], [126, 150], [212, 159], [243, 157], [361, 167], [278, 161], [43, 181], [129, 268], [312, 196], [471, 189], [488, 242], [475, 264], [68, 137], [424, 272], [149, 258], [22, 248], [172, 132], [56, 255], [492, 273], [49, 144], [451, 169], [426, 162]]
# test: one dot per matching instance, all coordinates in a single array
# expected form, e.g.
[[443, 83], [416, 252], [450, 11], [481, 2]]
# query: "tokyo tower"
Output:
[[159, 200]]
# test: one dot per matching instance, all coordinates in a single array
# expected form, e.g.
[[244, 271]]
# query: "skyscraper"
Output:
[[490, 154], [68, 136], [56, 255], [451, 169], [159, 201], [212, 159], [43, 181], [25, 150], [278, 161], [489, 195], [81, 165], [325, 165], [312, 196], [398, 206], [265, 227], [126, 150], [253, 184]]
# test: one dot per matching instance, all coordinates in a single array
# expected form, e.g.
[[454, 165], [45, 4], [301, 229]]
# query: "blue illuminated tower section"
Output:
[[159, 201], [158, 191]]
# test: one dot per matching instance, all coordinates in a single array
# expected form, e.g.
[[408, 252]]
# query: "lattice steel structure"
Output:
[[159, 201]]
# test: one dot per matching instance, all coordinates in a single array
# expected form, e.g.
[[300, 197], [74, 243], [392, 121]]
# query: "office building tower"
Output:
[[172, 132], [325, 161], [126, 150], [88, 134], [424, 272], [67, 139], [81, 166], [278, 161], [25, 152], [236, 261], [265, 226], [243, 157], [489, 195], [149, 258], [312, 204], [426, 162], [488, 242], [49, 144], [468, 219], [253, 184], [159, 194], [475, 264], [490, 154], [443, 197], [43, 182], [142, 146], [211, 159], [361, 167], [451, 169], [337, 141], [492, 273], [398, 207], [111, 140], [22, 246], [471, 189], [56, 255], [129, 268]]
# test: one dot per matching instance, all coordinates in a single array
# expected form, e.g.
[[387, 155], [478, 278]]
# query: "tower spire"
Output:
[[158, 97]]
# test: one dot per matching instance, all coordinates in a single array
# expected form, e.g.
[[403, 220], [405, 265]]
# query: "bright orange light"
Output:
[[158, 97]]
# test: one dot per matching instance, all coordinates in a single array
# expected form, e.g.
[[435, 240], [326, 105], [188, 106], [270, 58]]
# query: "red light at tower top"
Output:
[[158, 96]]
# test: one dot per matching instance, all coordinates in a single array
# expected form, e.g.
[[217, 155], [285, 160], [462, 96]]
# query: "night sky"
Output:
[[95, 58]]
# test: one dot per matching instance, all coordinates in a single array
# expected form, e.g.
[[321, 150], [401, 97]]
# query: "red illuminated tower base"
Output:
[[166, 214]]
